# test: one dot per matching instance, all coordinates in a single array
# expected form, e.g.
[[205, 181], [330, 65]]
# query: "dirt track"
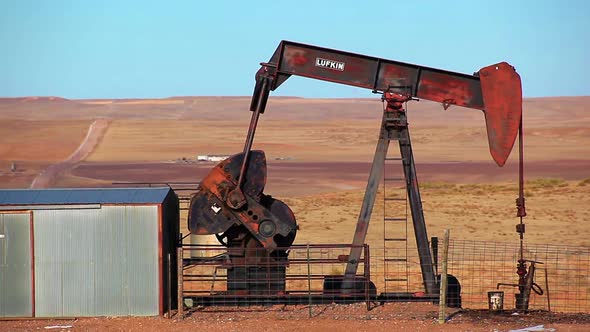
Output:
[[95, 133]]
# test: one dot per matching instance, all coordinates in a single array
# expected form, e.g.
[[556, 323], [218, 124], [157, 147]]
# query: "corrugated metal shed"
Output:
[[83, 196], [96, 264], [93, 252]]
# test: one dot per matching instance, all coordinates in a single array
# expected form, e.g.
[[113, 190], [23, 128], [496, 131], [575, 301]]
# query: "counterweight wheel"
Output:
[[254, 270]]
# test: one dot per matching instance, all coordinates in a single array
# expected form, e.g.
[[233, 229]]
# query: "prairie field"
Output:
[[319, 153]]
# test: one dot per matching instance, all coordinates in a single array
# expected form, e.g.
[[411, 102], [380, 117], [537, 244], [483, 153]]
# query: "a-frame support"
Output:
[[394, 126]]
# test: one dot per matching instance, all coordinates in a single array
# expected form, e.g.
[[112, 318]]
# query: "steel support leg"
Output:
[[426, 263], [366, 209]]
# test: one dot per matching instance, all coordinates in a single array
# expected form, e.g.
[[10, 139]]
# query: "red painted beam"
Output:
[[495, 89]]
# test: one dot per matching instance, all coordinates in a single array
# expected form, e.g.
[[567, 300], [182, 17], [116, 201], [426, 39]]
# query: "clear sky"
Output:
[[126, 49]]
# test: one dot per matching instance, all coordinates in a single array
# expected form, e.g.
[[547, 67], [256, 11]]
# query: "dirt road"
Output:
[[95, 133]]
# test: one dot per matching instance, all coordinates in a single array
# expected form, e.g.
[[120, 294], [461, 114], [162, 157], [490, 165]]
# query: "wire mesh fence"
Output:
[[314, 275], [215, 275], [562, 274]]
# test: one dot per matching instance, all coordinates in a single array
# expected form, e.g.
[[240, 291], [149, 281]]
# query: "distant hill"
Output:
[[557, 110]]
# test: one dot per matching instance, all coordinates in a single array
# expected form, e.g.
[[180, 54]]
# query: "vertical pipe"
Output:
[[442, 302], [180, 310], [521, 212], [521, 163]]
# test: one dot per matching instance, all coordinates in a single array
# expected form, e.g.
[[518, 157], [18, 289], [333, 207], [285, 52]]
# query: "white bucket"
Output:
[[496, 301]]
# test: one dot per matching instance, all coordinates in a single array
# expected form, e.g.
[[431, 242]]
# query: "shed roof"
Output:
[[83, 196]]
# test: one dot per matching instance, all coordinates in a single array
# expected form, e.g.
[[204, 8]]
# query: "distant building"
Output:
[[212, 157]]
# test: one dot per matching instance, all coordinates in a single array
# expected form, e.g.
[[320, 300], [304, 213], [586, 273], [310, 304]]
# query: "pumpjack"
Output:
[[258, 229]]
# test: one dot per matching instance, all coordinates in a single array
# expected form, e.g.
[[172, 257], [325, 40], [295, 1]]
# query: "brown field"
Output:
[[328, 144]]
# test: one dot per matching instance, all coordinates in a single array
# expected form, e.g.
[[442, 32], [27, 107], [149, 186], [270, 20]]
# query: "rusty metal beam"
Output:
[[495, 89]]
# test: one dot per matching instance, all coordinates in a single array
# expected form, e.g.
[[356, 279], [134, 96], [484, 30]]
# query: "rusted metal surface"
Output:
[[251, 229], [526, 284], [374, 73], [268, 220], [502, 95], [394, 101], [231, 202], [208, 211], [495, 89]]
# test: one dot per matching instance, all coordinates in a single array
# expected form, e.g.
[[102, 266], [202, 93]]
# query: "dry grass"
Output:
[[557, 213], [42, 132]]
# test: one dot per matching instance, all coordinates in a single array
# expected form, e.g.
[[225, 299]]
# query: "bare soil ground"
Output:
[[390, 317], [329, 146]]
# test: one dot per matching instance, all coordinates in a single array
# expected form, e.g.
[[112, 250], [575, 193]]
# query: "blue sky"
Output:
[[127, 49]]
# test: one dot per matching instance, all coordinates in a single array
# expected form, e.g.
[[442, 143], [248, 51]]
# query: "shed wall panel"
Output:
[[136, 283], [15, 265], [96, 262]]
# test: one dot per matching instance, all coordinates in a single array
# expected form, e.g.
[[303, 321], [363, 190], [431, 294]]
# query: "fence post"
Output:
[[180, 310], [367, 268], [547, 292], [309, 281], [442, 302]]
